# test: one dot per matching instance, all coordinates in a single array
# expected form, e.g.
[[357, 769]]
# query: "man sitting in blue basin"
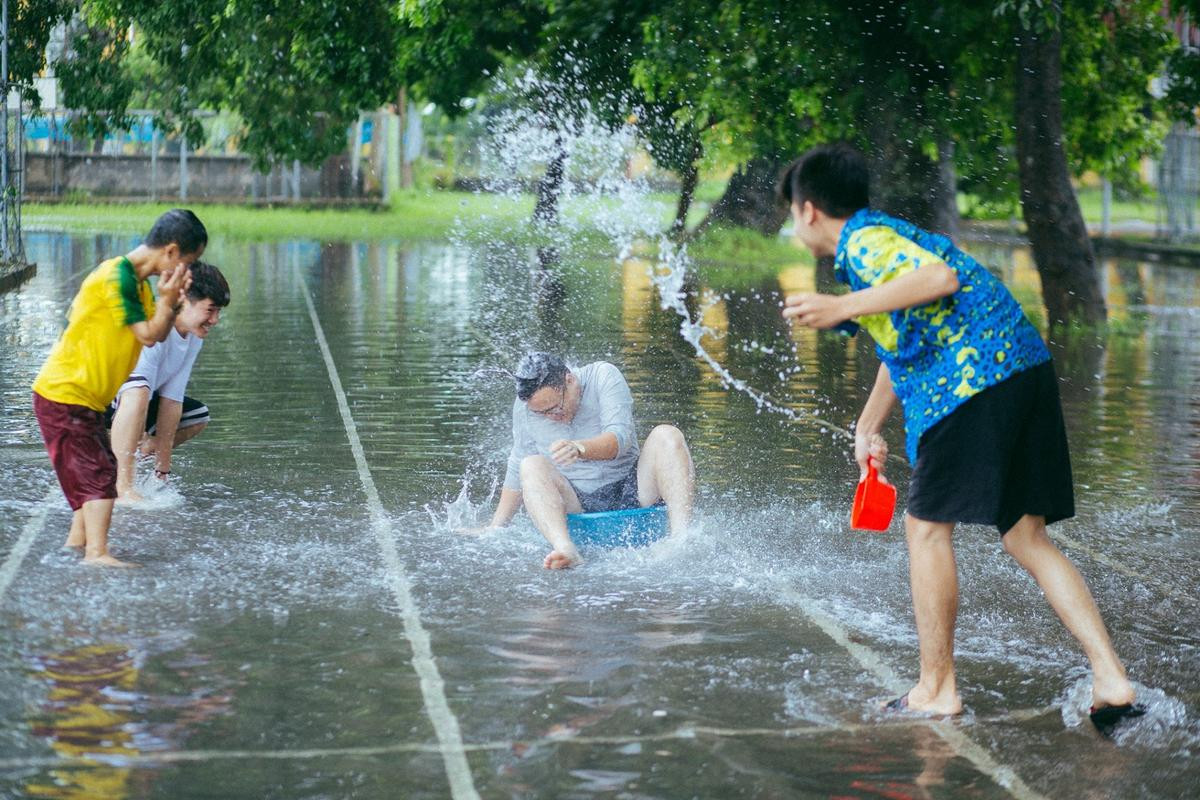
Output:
[[575, 450]]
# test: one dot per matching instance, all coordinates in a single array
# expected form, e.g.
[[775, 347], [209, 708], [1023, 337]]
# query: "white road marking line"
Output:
[[962, 744], [684, 732], [445, 724], [37, 521]]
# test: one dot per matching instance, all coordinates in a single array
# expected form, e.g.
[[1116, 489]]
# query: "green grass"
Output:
[[736, 258], [1091, 203], [725, 258], [415, 215]]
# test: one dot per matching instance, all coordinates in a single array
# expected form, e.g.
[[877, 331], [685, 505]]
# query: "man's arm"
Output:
[[604, 447], [868, 439], [169, 412], [128, 424], [923, 285], [170, 291]]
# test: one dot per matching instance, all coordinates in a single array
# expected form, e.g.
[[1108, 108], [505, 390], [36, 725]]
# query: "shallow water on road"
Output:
[[265, 649]]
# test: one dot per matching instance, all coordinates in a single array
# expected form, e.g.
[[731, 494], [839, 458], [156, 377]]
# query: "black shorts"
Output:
[[615, 496], [194, 413], [999, 456]]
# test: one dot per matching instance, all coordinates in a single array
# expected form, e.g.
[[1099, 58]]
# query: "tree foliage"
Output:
[[296, 73], [30, 24]]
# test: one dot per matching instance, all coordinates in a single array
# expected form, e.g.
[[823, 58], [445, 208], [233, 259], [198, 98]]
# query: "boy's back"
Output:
[[943, 353], [96, 352]]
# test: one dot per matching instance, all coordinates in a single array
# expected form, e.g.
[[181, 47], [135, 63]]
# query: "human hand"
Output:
[[173, 283], [813, 310], [565, 452], [868, 449]]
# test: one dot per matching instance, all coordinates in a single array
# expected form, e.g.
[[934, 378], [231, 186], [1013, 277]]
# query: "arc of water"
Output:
[[668, 275]]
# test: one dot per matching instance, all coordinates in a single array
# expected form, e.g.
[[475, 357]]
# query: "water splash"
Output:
[[1165, 722], [157, 495], [461, 513], [560, 132], [669, 275]]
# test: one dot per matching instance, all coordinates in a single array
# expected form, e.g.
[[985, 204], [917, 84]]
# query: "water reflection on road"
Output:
[[263, 631]]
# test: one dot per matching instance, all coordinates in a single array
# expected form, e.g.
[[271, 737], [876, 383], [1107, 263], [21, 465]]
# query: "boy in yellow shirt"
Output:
[[111, 318]]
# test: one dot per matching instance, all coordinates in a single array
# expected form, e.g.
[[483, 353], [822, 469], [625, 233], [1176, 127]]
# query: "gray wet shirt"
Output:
[[606, 406]]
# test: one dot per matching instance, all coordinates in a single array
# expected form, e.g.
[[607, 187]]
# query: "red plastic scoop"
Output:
[[874, 503]]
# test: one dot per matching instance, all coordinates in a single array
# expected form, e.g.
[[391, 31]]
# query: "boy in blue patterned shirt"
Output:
[[983, 421]]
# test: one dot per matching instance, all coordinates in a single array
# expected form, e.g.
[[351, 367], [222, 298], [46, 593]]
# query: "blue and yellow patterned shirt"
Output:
[[942, 353]]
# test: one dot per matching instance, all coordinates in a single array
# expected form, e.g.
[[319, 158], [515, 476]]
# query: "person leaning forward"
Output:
[[575, 450]]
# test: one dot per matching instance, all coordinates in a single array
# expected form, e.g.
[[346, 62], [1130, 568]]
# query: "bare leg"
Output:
[[665, 471], [76, 536], [548, 499], [934, 578], [1068, 595], [128, 424], [190, 432], [97, 516]]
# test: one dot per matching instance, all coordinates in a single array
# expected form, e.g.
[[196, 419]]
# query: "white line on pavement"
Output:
[[32, 528], [964, 745], [445, 724]]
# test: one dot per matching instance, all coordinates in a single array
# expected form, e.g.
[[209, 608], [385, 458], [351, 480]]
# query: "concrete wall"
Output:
[[209, 177]]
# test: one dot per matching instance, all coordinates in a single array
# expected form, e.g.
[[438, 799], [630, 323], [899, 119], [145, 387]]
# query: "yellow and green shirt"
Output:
[[96, 352], [947, 351]]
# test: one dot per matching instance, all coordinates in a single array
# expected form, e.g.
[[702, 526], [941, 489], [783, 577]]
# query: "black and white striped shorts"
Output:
[[194, 413]]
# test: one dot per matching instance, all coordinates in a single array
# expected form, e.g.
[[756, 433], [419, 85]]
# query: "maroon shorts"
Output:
[[79, 450]]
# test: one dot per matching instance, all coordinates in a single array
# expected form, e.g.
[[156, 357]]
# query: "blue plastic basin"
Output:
[[629, 527]]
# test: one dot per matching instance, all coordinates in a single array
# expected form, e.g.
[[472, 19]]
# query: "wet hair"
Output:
[[833, 177], [178, 226], [537, 370], [208, 284]]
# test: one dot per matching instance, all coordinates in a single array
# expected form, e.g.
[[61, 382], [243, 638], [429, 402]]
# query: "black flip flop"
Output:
[[899, 704], [1109, 718]]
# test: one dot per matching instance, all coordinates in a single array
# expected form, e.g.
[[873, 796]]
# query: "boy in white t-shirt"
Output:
[[151, 411]]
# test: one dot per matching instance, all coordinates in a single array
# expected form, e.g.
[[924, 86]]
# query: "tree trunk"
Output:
[[906, 183], [751, 199], [406, 168], [1061, 247], [550, 187], [687, 192], [900, 77]]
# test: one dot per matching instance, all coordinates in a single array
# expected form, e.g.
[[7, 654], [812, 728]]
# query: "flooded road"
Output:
[[307, 624]]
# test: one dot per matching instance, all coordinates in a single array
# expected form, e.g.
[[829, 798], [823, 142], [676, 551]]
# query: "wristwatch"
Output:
[[579, 446]]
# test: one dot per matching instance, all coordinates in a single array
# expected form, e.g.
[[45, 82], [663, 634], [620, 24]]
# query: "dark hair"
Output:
[[178, 226], [208, 284], [537, 370], [833, 177]]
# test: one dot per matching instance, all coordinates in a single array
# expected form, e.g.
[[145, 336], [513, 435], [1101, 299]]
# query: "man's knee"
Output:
[[190, 432], [535, 468], [1027, 536], [924, 533], [667, 437]]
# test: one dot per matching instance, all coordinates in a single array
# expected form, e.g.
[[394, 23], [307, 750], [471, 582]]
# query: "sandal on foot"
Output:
[[1109, 718], [899, 704]]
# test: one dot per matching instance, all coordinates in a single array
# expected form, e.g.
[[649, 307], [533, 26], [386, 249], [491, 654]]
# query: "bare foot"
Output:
[[129, 497], [558, 559], [108, 560], [916, 700], [1116, 692]]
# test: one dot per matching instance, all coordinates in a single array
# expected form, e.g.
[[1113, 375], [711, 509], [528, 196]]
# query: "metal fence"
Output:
[[1179, 183]]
